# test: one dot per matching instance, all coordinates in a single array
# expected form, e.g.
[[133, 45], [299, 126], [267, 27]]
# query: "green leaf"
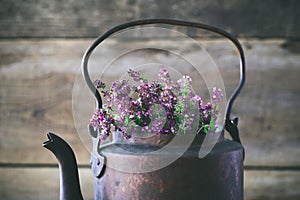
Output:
[[179, 119], [203, 129], [138, 120], [133, 124], [212, 122], [126, 120], [179, 107], [184, 92]]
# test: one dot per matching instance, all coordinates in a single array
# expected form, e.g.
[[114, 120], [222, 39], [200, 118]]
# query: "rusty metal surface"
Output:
[[217, 176]]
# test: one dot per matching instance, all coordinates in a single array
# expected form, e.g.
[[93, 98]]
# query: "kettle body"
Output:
[[218, 175]]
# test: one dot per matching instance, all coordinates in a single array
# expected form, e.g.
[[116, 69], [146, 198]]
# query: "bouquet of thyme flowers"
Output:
[[162, 106]]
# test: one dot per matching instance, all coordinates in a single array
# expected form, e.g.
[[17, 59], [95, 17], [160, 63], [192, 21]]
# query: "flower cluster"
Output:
[[162, 106]]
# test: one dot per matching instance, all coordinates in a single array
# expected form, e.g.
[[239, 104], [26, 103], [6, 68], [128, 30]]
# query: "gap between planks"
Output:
[[246, 167]]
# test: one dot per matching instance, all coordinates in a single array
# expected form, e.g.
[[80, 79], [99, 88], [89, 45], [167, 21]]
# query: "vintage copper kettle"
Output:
[[219, 175]]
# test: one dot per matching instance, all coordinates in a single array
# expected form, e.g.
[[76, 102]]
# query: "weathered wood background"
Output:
[[71, 18], [42, 90]]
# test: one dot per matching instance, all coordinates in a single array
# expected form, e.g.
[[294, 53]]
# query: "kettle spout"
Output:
[[69, 181]]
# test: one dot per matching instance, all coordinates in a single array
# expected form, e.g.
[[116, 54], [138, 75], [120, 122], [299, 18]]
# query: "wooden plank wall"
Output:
[[42, 89], [36, 97], [37, 18]]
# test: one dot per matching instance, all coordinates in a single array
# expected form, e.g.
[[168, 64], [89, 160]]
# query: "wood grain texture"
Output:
[[89, 18], [38, 183], [38, 79], [37, 91], [43, 183], [275, 185]]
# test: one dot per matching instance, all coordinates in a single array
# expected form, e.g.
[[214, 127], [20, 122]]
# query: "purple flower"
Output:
[[102, 120], [99, 84], [185, 87], [135, 75], [217, 95], [198, 99], [162, 107], [164, 77]]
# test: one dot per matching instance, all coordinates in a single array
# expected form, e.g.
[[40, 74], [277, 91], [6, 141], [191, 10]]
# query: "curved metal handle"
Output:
[[228, 122]]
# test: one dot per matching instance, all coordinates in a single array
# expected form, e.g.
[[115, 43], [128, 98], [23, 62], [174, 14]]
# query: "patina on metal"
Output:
[[219, 175]]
